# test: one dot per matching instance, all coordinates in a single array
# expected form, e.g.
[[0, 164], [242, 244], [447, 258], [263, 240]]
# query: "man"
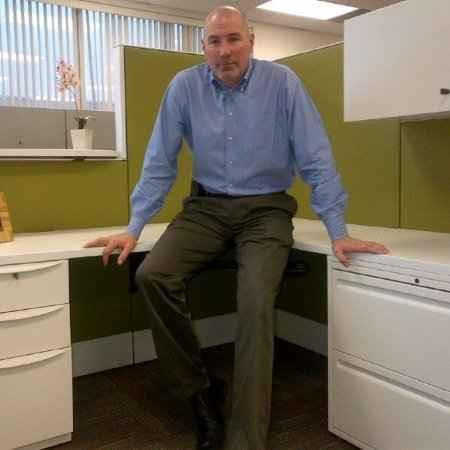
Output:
[[250, 125]]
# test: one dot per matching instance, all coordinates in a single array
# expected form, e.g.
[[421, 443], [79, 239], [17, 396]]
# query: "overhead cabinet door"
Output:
[[396, 62]]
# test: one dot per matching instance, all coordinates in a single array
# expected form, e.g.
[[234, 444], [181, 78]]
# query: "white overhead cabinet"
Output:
[[396, 62]]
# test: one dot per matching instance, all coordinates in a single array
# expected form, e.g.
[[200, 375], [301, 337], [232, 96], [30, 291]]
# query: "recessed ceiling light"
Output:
[[315, 9]]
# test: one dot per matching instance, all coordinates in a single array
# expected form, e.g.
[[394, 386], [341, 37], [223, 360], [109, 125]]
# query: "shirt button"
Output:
[[230, 138], [231, 162], [230, 113]]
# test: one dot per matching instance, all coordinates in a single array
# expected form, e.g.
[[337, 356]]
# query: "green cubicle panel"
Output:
[[425, 175], [306, 296], [367, 154], [147, 74], [99, 299], [212, 292], [139, 314], [209, 293], [45, 196]]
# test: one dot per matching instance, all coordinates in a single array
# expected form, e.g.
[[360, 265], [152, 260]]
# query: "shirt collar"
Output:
[[242, 86]]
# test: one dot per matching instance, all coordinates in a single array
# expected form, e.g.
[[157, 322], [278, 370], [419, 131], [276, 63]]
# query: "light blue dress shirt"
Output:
[[248, 140]]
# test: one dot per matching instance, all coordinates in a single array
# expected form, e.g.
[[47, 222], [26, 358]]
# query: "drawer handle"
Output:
[[29, 313], [22, 361], [20, 268]]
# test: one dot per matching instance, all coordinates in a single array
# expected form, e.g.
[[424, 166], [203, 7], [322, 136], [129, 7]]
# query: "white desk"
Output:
[[408, 247]]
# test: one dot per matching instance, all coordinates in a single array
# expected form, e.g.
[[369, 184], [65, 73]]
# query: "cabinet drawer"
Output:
[[33, 285], [378, 409], [34, 330], [36, 393], [401, 327]]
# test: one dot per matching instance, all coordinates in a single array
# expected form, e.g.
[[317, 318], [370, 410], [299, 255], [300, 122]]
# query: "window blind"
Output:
[[35, 36], [103, 31]]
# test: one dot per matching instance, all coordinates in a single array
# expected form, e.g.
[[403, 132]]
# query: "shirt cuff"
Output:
[[336, 227], [135, 227]]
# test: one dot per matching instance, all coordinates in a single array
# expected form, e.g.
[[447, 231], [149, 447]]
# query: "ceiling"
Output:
[[199, 8]]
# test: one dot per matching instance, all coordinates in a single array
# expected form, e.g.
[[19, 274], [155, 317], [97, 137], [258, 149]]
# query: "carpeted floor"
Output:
[[129, 409]]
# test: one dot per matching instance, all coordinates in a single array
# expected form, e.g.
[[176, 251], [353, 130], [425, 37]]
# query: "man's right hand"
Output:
[[124, 241]]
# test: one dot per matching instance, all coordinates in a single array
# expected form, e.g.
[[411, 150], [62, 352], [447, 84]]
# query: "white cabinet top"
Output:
[[409, 248]]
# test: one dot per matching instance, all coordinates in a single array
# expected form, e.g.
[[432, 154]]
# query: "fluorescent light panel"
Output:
[[314, 9]]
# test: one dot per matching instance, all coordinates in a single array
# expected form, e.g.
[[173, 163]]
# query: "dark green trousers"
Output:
[[261, 229]]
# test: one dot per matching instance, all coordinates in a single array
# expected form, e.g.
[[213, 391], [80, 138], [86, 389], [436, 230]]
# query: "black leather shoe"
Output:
[[207, 406]]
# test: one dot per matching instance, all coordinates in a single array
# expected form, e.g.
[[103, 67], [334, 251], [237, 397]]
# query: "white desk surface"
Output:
[[408, 248]]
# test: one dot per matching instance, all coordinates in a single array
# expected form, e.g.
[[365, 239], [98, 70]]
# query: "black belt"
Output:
[[199, 191]]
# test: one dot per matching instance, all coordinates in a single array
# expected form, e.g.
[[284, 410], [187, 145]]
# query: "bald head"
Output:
[[226, 13], [228, 44]]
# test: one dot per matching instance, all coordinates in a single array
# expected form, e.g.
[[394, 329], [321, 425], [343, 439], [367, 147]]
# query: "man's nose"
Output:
[[225, 49]]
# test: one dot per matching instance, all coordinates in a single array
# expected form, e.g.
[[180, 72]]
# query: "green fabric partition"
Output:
[[306, 295], [51, 195], [367, 154], [99, 299], [147, 74], [425, 175]]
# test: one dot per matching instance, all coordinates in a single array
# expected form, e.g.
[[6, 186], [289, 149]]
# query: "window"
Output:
[[105, 30], [34, 36]]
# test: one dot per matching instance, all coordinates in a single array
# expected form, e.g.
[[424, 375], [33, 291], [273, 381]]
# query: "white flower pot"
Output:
[[82, 139]]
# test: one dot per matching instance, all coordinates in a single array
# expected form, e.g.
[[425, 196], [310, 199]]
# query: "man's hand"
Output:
[[124, 241], [349, 245]]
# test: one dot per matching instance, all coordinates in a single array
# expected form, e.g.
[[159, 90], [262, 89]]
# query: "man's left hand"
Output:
[[349, 245]]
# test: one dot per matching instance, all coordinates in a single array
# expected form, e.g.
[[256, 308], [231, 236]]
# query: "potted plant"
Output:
[[68, 80]]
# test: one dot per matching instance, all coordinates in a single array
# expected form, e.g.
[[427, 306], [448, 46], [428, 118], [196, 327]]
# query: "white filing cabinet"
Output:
[[389, 350], [35, 356], [396, 62]]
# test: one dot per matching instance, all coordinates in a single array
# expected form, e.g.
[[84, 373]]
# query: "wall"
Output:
[[274, 42], [22, 127]]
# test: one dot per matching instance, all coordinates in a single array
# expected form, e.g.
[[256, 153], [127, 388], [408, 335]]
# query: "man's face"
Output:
[[227, 47]]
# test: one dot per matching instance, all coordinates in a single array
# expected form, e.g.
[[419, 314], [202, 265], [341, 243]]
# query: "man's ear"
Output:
[[252, 40], [203, 45]]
